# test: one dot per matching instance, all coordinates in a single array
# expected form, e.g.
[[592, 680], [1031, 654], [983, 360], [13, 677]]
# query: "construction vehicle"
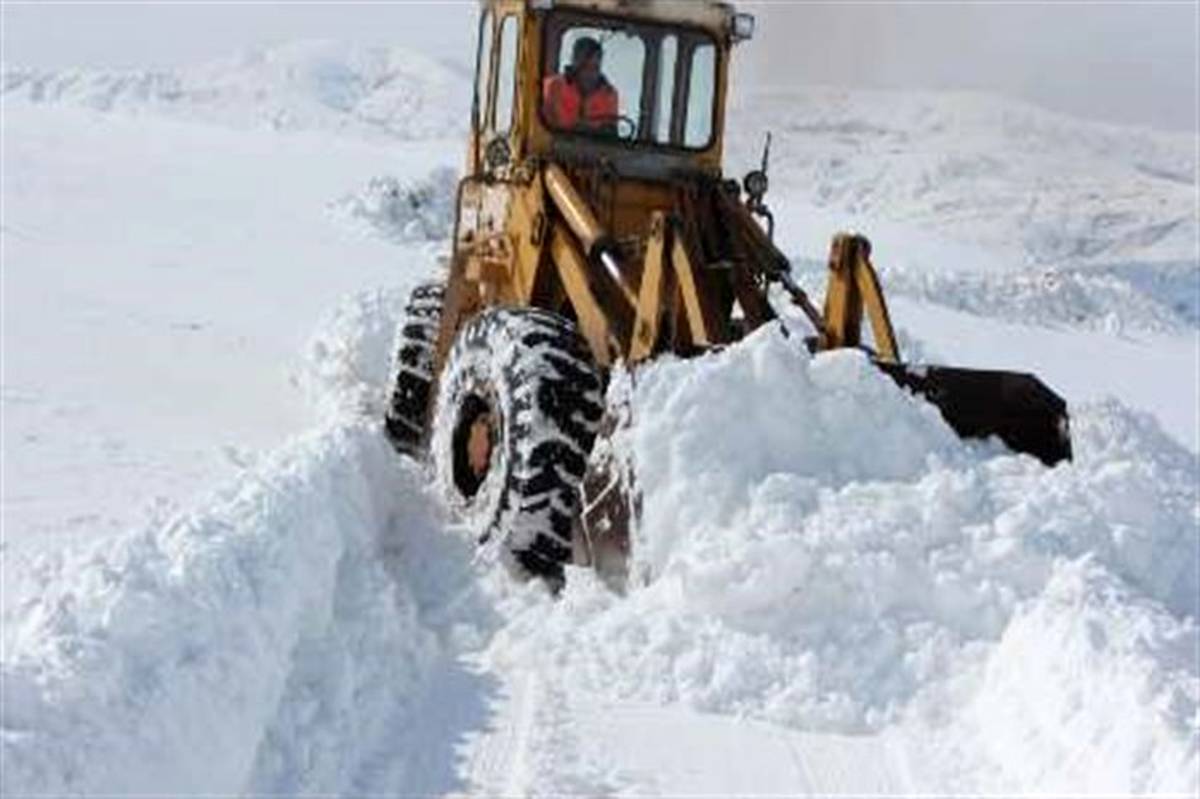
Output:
[[589, 243]]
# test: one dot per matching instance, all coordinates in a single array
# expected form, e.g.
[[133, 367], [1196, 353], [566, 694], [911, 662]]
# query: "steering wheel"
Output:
[[631, 128], [630, 131]]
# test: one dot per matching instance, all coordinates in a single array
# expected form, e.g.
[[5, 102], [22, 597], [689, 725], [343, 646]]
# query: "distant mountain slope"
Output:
[[299, 86], [1039, 191], [1043, 188]]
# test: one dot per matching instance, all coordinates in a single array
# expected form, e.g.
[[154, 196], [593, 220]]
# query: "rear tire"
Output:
[[416, 342], [518, 408]]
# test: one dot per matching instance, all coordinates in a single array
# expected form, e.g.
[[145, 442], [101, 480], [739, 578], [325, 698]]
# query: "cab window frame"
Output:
[[481, 106], [502, 24], [560, 21]]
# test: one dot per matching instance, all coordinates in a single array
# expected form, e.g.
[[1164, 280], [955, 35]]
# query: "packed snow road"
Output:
[[832, 593]]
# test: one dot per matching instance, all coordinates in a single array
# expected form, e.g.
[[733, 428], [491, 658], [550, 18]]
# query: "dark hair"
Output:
[[585, 47]]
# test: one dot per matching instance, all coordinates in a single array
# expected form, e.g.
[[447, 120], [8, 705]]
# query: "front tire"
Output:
[[516, 416]]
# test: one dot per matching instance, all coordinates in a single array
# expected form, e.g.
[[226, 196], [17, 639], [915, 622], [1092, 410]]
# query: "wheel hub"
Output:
[[474, 442], [479, 445]]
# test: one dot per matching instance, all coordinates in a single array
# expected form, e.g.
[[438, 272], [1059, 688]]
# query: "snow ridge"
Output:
[[1160, 298], [386, 93], [235, 647]]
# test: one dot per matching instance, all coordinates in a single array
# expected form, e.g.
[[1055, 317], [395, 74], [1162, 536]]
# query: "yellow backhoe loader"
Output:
[[595, 227]]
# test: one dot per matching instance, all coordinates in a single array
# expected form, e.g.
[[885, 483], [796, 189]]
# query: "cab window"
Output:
[[483, 71], [640, 83], [697, 130], [506, 73]]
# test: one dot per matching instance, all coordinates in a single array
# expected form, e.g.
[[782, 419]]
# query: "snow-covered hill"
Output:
[[1038, 187], [387, 93], [1035, 186], [218, 579]]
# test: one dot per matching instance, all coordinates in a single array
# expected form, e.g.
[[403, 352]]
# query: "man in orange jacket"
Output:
[[581, 98]]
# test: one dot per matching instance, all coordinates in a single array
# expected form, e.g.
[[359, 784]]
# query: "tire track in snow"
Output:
[[498, 763]]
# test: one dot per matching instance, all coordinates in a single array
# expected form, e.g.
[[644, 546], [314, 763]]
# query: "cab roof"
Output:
[[714, 15]]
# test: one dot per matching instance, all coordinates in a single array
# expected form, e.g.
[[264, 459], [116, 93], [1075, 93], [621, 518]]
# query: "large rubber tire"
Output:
[[416, 341], [529, 377]]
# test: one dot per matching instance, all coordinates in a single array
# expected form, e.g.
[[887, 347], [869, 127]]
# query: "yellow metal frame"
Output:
[[854, 288], [625, 256]]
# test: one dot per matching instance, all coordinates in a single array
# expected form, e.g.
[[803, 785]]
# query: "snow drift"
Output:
[[238, 647], [818, 551]]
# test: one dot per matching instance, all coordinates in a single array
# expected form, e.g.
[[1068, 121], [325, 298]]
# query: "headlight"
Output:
[[756, 183], [497, 153], [742, 27]]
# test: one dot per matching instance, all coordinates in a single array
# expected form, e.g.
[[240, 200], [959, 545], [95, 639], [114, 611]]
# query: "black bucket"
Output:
[[1016, 407]]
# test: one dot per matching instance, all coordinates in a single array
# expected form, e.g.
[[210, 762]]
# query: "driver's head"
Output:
[[586, 58]]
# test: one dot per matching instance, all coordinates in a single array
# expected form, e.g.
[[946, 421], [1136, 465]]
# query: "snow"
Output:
[[219, 579], [1038, 187], [388, 207], [159, 286], [233, 648], [837, 562], [380, 93], [1091, 662]]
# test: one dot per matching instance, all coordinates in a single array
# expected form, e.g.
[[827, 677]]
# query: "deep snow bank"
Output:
[[818, 550], [403, 211], [272, 640]]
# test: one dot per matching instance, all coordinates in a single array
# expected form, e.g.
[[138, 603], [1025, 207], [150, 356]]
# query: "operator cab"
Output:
[[638, 86], [663, 78]]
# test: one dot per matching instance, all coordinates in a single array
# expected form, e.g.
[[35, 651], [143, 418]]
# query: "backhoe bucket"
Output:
[[1016, 407]]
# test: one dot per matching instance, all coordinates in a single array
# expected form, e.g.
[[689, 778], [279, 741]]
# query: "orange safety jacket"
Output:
[[565, 104]]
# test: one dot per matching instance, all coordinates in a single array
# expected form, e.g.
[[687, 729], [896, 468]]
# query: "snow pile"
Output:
[[1091, 689], [272, 641], [1046, 189], [381, 92], [347, 358], [401, 211], [820, 551]]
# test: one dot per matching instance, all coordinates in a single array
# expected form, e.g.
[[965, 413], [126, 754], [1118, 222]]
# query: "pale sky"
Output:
[[1133, 62]]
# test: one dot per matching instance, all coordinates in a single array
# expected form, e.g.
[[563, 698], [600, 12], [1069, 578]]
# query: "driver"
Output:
[[581, 98]]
